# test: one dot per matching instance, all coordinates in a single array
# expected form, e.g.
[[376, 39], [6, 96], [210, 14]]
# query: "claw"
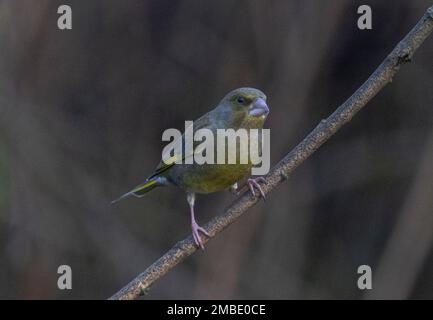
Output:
[[254, 183], [196, 229], [251, 185]]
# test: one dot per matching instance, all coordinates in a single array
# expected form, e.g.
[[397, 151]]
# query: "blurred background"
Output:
[[81, 117]]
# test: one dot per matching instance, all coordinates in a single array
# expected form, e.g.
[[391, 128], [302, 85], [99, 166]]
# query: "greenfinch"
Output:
[[243, 108]]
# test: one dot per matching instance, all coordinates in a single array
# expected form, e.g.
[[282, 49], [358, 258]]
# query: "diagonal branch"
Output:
[[401, 54]]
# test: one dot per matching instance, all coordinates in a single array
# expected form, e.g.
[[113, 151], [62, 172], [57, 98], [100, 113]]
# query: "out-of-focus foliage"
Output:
[[81, 118]]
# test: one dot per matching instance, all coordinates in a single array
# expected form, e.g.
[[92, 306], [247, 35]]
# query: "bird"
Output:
[[242, 108]]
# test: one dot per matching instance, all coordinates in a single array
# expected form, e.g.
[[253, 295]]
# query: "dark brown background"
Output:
[[82, 113]]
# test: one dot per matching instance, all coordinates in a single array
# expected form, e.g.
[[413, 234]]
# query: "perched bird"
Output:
[[243, 108]]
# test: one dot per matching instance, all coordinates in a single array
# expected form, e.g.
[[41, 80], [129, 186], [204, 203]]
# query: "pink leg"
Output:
[[251, 183], [254, 183], [196, 229]]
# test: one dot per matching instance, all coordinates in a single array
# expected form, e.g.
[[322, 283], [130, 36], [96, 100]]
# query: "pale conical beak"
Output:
[[258, 108]]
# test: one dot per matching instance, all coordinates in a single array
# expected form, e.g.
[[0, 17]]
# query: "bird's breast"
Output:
[[207, 178]]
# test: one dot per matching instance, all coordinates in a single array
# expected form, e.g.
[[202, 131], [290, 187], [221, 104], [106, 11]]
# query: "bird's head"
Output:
[[249, 100], [247, 105]]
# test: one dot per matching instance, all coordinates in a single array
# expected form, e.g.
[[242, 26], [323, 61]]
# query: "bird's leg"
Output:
[[254, 183], [235, 189], [196, 229], [251, 183]]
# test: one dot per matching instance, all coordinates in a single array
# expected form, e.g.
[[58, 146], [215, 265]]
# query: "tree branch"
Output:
[[401, 54]]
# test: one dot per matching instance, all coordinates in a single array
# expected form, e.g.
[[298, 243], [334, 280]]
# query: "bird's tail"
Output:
[[140, 190]]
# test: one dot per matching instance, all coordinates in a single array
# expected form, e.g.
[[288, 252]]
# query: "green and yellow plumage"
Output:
[[232, 112], [243, 108]]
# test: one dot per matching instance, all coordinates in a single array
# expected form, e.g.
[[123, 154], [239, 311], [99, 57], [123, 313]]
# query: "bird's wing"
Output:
[[203, 122]]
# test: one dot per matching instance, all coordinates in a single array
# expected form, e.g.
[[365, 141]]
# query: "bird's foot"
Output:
[[254, 184], [196, 229]]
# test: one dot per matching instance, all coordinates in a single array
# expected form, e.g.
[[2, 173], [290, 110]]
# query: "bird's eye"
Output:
[[241, 100]]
